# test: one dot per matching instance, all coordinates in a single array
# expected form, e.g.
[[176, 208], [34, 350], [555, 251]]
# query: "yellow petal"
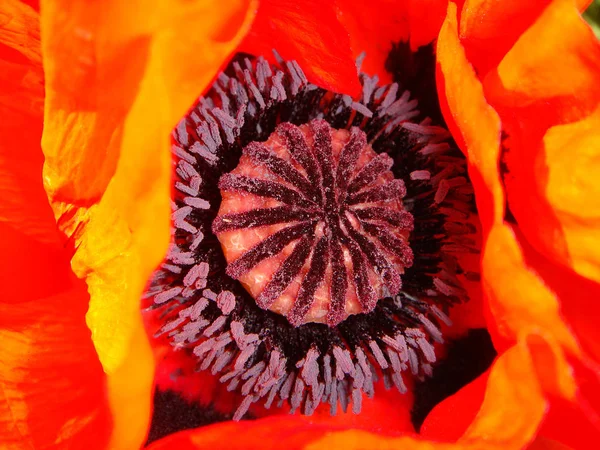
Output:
[[573, 164], [518, 299]]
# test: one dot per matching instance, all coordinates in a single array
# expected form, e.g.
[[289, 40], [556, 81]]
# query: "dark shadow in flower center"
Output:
[[172, 413], [467, 358], [415, 71]]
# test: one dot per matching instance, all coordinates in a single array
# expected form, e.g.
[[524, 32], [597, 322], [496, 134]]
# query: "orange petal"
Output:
[[578, 297], [473, 122], [475, 126], [572, 188], [544, 67], [309, 32], [118, 77], [519, 300], [513, 407]]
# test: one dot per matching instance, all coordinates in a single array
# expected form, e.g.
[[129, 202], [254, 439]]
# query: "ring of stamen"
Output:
[[259, 353]]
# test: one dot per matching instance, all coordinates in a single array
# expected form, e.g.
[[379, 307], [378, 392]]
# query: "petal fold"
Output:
[[473, 122], [518, 298], [489, 28], [547, 93], [449, 420], [513, 407]]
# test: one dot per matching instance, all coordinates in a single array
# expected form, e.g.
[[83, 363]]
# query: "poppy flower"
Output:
[[86, 220]]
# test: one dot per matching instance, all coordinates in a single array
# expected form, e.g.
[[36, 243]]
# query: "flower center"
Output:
[[290, 275], [312, 224]]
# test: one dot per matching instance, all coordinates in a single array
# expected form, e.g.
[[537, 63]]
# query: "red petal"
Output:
[[292, 432], [309, 32], [449, 420], [52, 388], [374, 26], [32, 263], [568, 424], [576, 422], [426, 17]]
